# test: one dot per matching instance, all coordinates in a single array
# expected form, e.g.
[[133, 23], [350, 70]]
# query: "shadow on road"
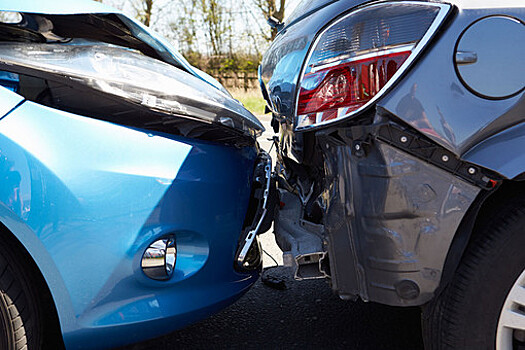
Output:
[[305, 315]]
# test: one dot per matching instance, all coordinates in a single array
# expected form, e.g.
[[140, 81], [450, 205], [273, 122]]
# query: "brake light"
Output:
[[349, 85], [356, 58]]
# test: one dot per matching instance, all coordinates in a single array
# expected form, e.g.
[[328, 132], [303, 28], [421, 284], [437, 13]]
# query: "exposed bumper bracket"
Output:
[[262, 176], [301, 241]]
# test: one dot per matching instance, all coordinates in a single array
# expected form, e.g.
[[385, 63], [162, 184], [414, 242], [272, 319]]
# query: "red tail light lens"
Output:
[[349, 85], [358, 56]]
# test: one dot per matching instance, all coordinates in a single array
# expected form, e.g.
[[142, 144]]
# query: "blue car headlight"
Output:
[[130, 77]]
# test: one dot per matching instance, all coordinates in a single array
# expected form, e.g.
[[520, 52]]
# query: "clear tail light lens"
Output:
[[359, 56]]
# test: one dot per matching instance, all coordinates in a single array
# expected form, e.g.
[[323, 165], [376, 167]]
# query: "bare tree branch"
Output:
[[268, 9]]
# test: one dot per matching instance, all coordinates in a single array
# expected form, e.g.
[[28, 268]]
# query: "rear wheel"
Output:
[[484, 305], [19, 313], [511, 324]]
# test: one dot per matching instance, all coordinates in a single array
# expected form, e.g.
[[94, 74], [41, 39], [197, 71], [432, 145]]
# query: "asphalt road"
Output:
[[305, 315]]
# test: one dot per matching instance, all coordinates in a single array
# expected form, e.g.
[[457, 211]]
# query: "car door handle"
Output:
[[466, 57]]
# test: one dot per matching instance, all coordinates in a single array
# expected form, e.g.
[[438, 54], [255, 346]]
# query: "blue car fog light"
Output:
[[158, 261]]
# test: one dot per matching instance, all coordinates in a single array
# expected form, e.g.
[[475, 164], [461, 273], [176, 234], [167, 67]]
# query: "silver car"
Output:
[[401, 159]]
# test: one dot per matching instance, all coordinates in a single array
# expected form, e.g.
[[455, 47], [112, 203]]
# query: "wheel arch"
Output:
[[502, 153], [55, 300], [476, 217]]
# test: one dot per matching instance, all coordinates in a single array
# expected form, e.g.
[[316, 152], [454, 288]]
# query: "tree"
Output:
[[215, 24], [185, 26], [269, 9], [144, 9]]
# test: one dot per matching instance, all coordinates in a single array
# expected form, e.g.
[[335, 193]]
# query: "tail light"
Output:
[[359, 56]]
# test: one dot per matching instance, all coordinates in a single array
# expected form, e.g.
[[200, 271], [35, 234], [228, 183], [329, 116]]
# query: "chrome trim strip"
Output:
[[250, 237], [376, 53], [444, 10]]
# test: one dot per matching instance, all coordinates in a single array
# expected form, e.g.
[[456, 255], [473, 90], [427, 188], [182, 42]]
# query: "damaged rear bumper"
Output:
[[388, 213]]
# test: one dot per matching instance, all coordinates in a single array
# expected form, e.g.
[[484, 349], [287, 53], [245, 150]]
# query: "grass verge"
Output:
[[251, 99]]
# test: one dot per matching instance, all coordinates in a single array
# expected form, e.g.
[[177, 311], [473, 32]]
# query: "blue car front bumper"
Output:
[[87, 197]]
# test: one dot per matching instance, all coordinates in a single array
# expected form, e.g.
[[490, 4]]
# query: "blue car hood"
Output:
[[73, 7]]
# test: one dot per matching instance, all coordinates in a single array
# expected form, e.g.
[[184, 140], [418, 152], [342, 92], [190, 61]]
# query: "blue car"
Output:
[[132, 184]]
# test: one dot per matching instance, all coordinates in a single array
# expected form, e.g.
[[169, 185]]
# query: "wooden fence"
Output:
[[246, 80]]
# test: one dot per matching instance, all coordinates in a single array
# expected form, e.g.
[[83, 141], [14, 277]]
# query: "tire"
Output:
[[466, 314], [19, 312]]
